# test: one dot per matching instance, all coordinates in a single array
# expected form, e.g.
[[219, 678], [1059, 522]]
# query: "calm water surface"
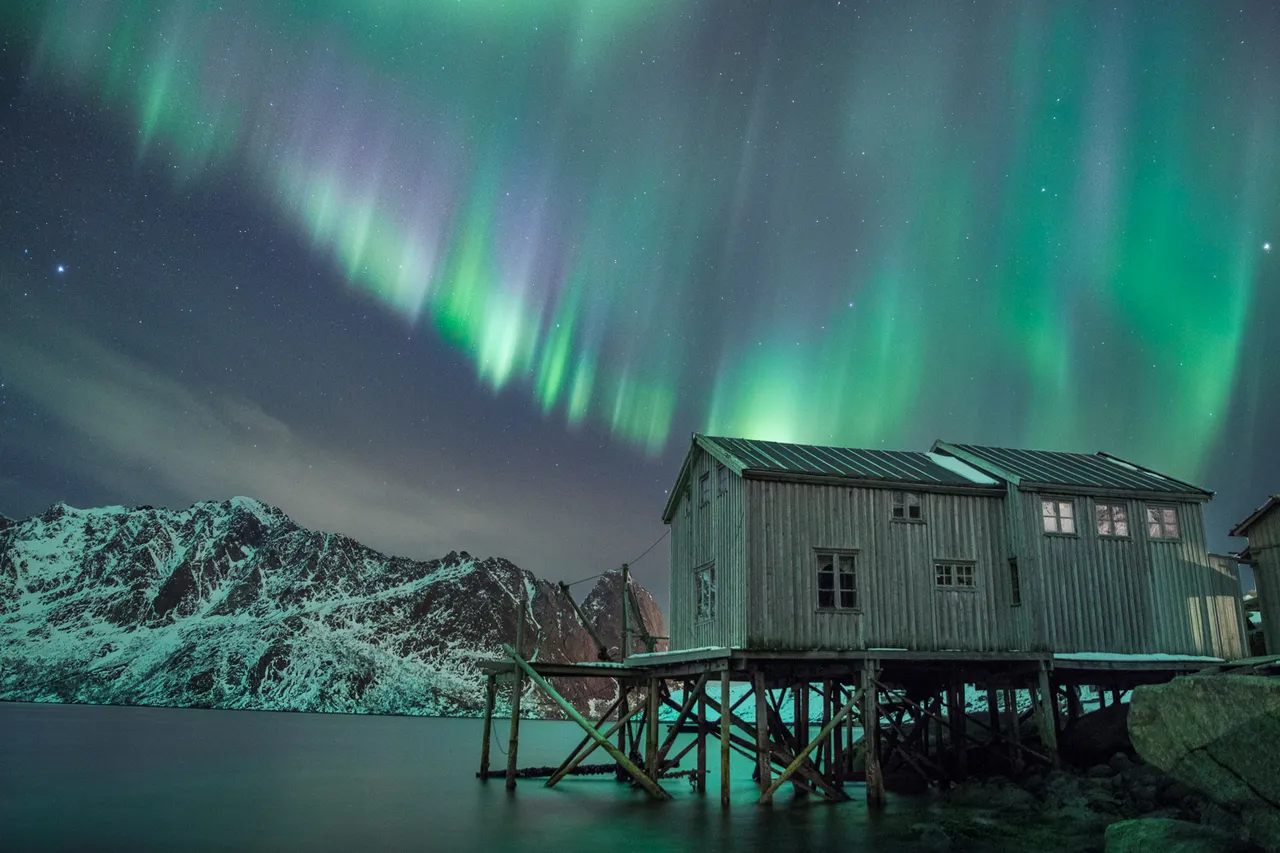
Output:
[[76, 777]]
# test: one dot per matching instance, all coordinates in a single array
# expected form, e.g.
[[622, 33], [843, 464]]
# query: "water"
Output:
[[77, 777]]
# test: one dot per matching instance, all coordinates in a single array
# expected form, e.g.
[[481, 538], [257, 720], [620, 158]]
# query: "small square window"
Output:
[[1059, 516], [722, 478], [837, 581], [1162, 522], [1112, 520], [705, 586], [704, 488], [906, 506]]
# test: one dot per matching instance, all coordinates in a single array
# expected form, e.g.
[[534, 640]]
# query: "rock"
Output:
[[1099, 771], [933, 838], [1219, 735], [994, 795], [1120, 762], [1166, 835], [1096, 736]]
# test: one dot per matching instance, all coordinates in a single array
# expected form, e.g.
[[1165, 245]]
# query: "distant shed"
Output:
[[973, 548], [1262, 528]]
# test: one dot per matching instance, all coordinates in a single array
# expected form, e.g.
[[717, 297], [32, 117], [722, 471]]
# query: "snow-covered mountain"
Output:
[[233, 605]]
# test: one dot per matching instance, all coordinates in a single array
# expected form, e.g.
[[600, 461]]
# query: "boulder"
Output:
[[1166, 835], [1219, 734], [1096, 736]]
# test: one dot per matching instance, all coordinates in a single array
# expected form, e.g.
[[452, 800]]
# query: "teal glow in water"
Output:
[[93, 777]]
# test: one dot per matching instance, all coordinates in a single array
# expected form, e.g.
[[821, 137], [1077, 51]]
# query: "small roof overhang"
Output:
[[1242, 529]]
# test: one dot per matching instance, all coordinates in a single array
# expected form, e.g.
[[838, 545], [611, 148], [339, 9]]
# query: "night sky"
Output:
[[466, 275]]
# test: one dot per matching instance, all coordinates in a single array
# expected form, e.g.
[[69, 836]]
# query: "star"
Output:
[[61, 268], [1266, 247]]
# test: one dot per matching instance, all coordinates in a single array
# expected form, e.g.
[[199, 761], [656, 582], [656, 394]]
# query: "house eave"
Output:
[[859, 482]]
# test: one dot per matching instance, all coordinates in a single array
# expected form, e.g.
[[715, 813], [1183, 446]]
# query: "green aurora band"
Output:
[[1040, 224]]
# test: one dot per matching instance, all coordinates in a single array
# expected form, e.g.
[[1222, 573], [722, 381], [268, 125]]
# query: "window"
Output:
[[1162, 522], [1015, 583], [1059, 516], [722, 478], [906, 506], [837, 581], [953, 575], [704, 488], [705, 584], [688, 502], [1112, 520]]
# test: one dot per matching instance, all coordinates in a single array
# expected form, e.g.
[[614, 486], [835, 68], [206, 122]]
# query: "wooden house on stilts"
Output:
[[893, 588]]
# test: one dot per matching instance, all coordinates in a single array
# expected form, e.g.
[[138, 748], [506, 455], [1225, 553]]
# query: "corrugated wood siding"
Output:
[[900, 606], [1264, 542], [701, 534], [1128, 595]]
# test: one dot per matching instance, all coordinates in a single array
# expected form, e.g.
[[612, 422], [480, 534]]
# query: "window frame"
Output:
[[1111, 507], [837, 574], [901, 501], [1058, 502], [722, 478], [704, 489], [708, 571], [953, 574], [1015, 583], [1162, 537]]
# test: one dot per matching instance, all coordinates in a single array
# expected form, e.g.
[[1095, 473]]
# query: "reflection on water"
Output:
[[80, 777]]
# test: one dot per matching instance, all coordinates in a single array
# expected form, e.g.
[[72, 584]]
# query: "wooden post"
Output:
[[831, 726], [871, 734], [701, 785], [956, 722], [1043, 701], [624, 648], [725, 732], [800, 710], [517, 688], [762, 737], [1013, 725], [650, 785], [651, 732], [581, 755], [827, 709], [624, 716], [490, 697], [993, 714], [836, 770]]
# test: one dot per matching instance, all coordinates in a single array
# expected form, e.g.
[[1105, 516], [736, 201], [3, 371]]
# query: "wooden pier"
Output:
[[823, 720]]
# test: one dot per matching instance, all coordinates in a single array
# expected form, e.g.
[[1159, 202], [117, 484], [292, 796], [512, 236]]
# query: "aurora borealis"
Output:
[[619, 221]]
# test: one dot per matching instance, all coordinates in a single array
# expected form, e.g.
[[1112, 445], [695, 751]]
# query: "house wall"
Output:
[[701, 534], [1264, 544], [1130, 595], [900, 604]]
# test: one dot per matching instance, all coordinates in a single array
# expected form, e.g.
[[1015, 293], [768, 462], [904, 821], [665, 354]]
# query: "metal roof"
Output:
[[1092, 471], [897, 466], [1242, 529]]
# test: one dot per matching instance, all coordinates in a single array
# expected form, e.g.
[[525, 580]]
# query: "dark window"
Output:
[[704, 488], [688, 502], [1162, 522], [705, 578], [1111, 519], [906, 506], [837, 581], [952, 575], [1015, 582], [1059, 516], [722, 478]]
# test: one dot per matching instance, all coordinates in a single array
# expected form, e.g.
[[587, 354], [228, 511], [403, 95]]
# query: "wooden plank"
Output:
[[569, 762], [581, 756], [490, 697], [823, 734], [702, 736], [651, 730], [1042, 697], [651, 786], [762, 735], [691, 697], [724, 739]]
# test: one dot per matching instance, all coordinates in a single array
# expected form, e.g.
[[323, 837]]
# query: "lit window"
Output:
[[1015, 583], [704, 488], [722, 478], [1162, 522], [705, 578], [1112, 520], [953, 574], [837, 581], [1059, 516], [906, 506]]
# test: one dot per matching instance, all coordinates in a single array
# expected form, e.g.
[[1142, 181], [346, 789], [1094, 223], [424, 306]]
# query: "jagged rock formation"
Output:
[[234, 605], [1219, 734]]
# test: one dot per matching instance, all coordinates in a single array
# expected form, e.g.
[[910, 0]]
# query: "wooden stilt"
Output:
[[800, 710], [871, 734], [573, 758], [1043, 700], [724, 739], [490, 697], [993, 714], [825, 757], [762, 738], [701, 784], [517, 688], [581, 755], [651, 730], [795, 764], [650, 785], [956, 719], [836, 770], [1013, 726]]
